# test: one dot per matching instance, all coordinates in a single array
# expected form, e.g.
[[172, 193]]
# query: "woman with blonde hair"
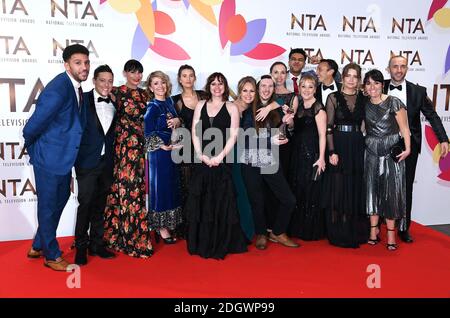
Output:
[[163, 203], [308, 163]]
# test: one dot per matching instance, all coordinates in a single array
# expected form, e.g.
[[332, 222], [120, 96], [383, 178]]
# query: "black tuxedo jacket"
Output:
[[318, 94], [94, 137], [417, 101]]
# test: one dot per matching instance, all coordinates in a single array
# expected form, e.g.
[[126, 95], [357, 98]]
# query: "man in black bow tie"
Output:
[[94, 167], [416, 100], [326, 70]]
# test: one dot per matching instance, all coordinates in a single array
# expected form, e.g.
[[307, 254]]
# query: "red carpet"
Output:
[[316, 269]]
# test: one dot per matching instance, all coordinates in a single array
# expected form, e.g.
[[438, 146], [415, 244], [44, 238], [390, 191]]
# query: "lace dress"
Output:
[[307, 220], [346, 221]]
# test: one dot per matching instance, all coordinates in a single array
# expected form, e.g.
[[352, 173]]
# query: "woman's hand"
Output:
[[288, 119], [321, 165], [262, 113], [173, 123], [277, 141], [403, 155], [166, 147], [334, 159], [215, 161], [206, 160]]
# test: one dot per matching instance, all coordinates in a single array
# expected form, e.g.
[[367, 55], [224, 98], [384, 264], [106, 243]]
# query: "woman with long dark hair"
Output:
[[185, 104], [213, 220], [347, 224]]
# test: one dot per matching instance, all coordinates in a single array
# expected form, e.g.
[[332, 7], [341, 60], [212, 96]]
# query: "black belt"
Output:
[[347, 128]]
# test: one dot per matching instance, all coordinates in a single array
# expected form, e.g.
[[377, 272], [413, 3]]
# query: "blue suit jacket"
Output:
[[94, 137], [53, 133]]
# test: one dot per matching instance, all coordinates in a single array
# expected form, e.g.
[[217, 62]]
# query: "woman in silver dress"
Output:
[[384, 175]]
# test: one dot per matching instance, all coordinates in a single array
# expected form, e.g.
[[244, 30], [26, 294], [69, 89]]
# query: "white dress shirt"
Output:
[[76, 86], [401, 94], [327, 92], [105, 114]]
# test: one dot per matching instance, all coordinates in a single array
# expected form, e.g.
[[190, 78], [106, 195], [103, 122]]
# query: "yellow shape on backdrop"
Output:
[[146, 20], [442, 17], [205, 10], [437, 153], [211, 2], [129, 6]]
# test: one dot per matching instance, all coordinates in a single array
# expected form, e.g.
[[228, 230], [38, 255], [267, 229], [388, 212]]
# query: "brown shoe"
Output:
[[261, 242], [282, 239], [59, 264], [32, 253]]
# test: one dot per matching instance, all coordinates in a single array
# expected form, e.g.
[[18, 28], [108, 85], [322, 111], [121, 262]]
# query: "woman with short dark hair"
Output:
[[384, 172], [127, 227]]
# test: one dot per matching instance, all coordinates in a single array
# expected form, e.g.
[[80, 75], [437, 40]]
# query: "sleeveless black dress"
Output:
[[211, 208]]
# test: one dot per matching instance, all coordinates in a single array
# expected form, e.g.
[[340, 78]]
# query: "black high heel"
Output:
[[377, 239], [391, 246], [167, 240]]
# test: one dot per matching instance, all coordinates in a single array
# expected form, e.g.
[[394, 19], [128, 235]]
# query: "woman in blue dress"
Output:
[[163, 201]]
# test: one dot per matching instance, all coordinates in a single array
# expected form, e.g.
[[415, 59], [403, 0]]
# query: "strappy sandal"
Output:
[[391, 246], [377, 239]]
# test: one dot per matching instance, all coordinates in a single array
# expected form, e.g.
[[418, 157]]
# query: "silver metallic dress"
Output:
[[384, 178]]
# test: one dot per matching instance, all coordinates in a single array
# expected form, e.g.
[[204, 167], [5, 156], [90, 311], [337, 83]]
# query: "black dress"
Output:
[[186, 115], [307, 220], [211, 208], [347, 224]]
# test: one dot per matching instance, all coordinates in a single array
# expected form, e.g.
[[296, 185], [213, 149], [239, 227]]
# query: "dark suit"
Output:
[[417, 101], [52, 138], [94, 175], [318, 94]]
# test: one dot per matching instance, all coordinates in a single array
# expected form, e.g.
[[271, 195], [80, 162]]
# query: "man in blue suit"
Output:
[[94, 167], [52, 138]]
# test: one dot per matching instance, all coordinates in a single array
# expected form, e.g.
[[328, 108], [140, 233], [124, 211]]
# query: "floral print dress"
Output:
[[126, 222]]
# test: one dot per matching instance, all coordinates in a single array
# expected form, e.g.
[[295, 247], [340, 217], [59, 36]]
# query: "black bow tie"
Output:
[[325, 87], [106, 100], [392, 87]]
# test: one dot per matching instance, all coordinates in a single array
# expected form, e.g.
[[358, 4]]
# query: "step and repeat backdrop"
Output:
[[236, 37]]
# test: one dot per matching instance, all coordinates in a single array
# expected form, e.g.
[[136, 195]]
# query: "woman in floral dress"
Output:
[[126, 221]]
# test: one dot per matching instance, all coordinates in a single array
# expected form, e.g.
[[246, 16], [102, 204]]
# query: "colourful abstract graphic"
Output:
[[444, 163], [245, 37], [441, 17], [151, 23]]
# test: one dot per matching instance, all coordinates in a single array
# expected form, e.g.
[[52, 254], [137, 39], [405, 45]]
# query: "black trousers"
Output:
[[93, 188], [277, 184], [410, 167]]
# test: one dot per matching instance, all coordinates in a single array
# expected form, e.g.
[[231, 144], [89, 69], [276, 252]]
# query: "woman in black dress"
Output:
[[213, 220], [347, 224], [308, 163], [185, 104]]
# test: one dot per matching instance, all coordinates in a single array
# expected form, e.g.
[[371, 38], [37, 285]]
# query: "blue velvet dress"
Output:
[[162, 175]]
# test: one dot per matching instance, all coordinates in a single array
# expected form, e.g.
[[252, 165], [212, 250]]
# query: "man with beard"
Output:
[[52, 138], [416, 100]]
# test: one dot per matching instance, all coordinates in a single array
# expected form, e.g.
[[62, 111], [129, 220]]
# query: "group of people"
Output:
[[311, 157]]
